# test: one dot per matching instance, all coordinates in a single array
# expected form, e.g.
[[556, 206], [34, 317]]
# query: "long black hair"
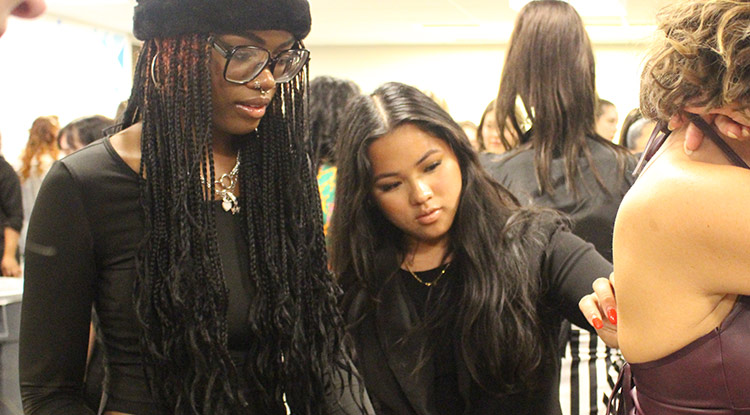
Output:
[[550, 65], [181, 294], [500, 333]]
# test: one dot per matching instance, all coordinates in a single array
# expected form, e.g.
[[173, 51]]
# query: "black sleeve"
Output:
[[570, 266], [58, 293], [10, 197]]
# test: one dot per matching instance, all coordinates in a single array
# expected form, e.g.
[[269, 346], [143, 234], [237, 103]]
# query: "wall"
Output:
[[467, 77], [55, 67], [51, 66]]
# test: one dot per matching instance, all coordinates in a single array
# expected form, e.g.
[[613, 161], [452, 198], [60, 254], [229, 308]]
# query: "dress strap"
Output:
[[733, 157], [621, 400]]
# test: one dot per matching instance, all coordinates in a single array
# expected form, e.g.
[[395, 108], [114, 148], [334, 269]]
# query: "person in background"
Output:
[[36, 159], [547, 97], [635, 131], [454, 293], [488, 136], [11, 218], [328, 98], [20, 8], [687, 350], [194, 231], [606, 119], [81, 132], [472, 131]]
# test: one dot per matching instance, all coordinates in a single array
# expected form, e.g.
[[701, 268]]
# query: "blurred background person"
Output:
[[36, 159], [82, 132], [635, 131], [606, 119], [328, 98], [471, 131], [11, 217], [548, 98]]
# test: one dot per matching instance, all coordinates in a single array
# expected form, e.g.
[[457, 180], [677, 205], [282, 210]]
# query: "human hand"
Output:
[[10, 267], [729, 122], [602, 303]]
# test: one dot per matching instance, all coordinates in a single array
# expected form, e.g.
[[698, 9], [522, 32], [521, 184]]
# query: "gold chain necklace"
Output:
[[428, 283]]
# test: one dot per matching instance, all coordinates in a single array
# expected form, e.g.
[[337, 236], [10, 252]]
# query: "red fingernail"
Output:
[[612, 315], [598, 324]]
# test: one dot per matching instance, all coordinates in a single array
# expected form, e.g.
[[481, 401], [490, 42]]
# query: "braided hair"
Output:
[[181, 295]]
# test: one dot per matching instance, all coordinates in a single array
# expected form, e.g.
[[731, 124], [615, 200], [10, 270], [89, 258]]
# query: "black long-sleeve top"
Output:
[[83, 236]]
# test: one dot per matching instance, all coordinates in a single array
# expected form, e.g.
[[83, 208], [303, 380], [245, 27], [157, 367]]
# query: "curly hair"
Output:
[[181, 295], [703, 58], [42, 141]]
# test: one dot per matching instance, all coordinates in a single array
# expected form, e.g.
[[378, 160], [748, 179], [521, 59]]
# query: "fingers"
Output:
[[589, 307], [693, 138], [676, 122], [730, 128], [605, 295]]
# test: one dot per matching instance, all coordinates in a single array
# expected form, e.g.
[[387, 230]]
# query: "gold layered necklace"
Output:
[[428, 283]]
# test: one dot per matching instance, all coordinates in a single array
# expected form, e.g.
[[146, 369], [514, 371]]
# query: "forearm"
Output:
[[11, 242]]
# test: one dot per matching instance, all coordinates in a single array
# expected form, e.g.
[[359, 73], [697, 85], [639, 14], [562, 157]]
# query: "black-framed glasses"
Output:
[[245, 62], [661, 132]]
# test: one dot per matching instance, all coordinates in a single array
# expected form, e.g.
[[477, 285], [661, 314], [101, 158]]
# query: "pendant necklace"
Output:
[[224, 188]]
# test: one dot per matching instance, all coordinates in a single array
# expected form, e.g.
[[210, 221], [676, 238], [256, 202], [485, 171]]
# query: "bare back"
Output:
[[681, 252]]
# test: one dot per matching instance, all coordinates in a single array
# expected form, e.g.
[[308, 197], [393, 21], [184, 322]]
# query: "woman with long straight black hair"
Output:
[[453, 293]]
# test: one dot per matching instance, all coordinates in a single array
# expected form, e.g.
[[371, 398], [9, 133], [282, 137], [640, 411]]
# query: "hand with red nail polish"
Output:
[[600, 308]]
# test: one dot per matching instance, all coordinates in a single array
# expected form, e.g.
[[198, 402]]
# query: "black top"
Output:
[[387, 357], [82, 243], [11, 205], [593, 212]]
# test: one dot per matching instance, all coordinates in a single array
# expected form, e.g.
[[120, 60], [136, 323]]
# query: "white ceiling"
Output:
[[382, 22]]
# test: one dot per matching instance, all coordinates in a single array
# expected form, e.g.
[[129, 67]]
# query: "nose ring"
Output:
[[257, 86]]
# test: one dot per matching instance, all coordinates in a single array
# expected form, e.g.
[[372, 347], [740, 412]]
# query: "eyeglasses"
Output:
[[245, 62], [661, 132]]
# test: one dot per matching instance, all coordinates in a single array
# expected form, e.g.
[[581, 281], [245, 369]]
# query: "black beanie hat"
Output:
[[167, 18]]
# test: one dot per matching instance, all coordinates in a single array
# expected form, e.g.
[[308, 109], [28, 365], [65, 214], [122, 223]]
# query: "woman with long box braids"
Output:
[[195, 232]]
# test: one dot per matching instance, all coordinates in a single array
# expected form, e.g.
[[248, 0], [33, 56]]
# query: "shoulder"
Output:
[[681, 206]]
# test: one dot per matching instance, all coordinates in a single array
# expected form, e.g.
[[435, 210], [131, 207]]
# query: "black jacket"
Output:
[[387, 360]]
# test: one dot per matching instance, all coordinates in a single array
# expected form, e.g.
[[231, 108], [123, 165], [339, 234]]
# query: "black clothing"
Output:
[[593, 216], [387, 357], [11, 204], [83, 238], [593, 212]]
